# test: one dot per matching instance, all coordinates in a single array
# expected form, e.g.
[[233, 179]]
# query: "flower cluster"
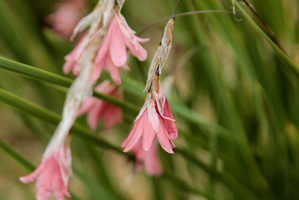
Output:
[[111, 52], [104, 46], [53, 173], [154, 119], [101, 110]]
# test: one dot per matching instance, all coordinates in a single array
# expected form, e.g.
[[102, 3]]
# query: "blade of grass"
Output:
[[51, 117], [289, 64], [128, 84]]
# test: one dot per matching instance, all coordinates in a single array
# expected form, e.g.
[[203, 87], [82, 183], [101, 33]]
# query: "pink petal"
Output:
[[69, 64], [169, 124], [135, 134], [72, 57], [163, 139], [104, 48], [148, 134], [92, 117], [105, 87], [112, 116], [153, 116], [98, 70], [114, 73], [76, 70], [117, 47], [31, 177], [42, 194], [126, 67], [142, 39], [151, 161], [49, 174], [67, 193], [86, 105], [137, 50]]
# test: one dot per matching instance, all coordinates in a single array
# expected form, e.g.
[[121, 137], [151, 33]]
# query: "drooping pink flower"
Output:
[[154, 119], [112, 53], [66, 16], [148, 159], [101, 110], [52, 175]]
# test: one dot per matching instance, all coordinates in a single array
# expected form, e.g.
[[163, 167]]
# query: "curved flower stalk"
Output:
[[161, 54], [111, 52], [97, 109], [155, 117], [66, 16]]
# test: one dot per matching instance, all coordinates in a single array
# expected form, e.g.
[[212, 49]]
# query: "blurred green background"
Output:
[[231, 79]]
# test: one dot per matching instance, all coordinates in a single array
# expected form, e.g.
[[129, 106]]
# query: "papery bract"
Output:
[[101, 110]]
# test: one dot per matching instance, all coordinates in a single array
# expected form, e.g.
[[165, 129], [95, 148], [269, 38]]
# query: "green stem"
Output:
[[128, 84], [54, 118], [235, 186]]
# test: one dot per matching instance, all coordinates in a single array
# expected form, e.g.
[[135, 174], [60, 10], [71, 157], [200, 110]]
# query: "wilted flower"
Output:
[[97, 109]]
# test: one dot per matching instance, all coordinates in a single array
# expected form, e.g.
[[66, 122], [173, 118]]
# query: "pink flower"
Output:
[[149, 159], [101, 110], [112, 53], [154, 119], [52, 175], [66, 16], [73, 58]]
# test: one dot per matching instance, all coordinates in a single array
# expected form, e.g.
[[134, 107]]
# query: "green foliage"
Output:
[[234, 94]]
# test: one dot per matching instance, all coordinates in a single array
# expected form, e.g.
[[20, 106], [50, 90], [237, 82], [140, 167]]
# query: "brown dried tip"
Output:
[[173, 15]]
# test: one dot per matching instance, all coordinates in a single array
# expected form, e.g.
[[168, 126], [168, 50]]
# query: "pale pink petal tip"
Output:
[[26, 179]]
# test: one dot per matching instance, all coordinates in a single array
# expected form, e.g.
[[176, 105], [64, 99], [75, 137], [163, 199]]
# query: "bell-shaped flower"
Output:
[[52, 174], [110, 36], [112, 53], [154, 119], [97, 109]]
